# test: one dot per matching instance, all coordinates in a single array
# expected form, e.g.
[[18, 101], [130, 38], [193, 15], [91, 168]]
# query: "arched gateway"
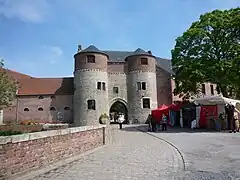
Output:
[[117, 107]]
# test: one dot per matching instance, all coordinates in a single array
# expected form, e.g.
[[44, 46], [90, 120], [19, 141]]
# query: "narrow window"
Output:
[[52, 109], [203, 89], [212, 90], [26, 109], [138, 85], [40, 109], [144, 61], [143, 85], [218, 90], [66, 108], [104, 86], [99, 85], [115, 90], [40, 97], [91, 104], [146, 103], [90, 58]]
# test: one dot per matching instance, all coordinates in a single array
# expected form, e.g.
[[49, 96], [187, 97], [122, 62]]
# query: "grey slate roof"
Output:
[[91, 48], [139, 51], [119, 56]]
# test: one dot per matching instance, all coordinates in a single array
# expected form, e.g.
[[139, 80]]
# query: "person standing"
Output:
[[164, 122], [153, 123], [121, 120], [149, 121]]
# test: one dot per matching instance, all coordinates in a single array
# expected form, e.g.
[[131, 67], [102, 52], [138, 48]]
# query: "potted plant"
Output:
[[103, 118]]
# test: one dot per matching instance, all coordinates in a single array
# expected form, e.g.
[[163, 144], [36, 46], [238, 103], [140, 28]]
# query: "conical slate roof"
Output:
[[91, 48], [139, 51]]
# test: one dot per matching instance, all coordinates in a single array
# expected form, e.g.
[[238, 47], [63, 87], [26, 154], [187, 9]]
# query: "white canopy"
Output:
[[215, 100]]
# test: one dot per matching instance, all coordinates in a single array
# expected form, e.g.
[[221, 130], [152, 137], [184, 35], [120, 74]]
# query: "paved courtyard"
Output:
[[207, 155], [138, 155]]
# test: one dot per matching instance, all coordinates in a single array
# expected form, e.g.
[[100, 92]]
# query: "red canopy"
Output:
[[175, 107], [157, 113]]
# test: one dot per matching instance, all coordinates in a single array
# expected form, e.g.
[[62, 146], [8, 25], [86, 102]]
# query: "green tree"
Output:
[[8, 87], [209, 51]]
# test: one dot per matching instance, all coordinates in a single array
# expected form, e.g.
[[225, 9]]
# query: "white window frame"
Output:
[[141, 83], [150, 99]]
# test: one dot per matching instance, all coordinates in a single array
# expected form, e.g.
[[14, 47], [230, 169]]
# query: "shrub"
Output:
[[9, 133], [103, 118]]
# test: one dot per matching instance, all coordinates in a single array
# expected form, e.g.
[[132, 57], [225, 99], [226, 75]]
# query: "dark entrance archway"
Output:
[[116, 109]]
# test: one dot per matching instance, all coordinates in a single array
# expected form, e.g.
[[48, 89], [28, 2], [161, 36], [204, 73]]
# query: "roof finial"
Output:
[[79, 48]]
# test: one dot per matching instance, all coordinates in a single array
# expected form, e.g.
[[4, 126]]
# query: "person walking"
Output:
[[164, 122], [121, 120]]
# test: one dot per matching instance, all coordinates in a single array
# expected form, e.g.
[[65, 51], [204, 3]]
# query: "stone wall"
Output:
[[20, 153], [86, 89]]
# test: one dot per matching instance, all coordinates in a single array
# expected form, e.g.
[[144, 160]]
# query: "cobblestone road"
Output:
[[133, 155]]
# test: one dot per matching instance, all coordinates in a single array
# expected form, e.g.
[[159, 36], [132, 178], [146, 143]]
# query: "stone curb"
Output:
[[144, 130]]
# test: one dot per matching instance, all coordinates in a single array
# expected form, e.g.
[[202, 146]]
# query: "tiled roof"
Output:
[[16, 75], [45, 86]]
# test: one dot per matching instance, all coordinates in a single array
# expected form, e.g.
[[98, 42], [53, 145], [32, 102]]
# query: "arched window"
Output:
[[52, 109], [40, 97], [26, 109], [40, 109], [67, 108]]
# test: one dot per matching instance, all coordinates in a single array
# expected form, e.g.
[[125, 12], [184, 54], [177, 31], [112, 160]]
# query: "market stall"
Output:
[[214, 106], [158, 113]]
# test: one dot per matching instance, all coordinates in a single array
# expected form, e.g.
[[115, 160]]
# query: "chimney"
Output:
[[79, 48], [149, 52]]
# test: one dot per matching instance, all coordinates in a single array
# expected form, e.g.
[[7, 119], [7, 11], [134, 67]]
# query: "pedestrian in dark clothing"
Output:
[[164, 123], [149, 122], [153, 123]]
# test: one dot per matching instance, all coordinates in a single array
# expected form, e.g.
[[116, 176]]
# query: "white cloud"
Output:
[[25, 10], [52, 54], [57, 51]]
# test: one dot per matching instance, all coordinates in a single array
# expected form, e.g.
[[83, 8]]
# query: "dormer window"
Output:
[[144, 61], [90, 59]]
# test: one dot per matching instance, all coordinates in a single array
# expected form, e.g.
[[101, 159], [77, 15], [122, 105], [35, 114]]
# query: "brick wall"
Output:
[[32, 103], [21, 153], [207, 91], [164, 88]]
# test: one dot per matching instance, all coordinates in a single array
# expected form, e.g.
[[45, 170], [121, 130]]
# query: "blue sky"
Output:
[[40, 37]]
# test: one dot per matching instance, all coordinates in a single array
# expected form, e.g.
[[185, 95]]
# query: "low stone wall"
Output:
[[23, 152]]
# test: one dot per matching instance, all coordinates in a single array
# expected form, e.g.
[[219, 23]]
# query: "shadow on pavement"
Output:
[[133, 128], [144, 127]]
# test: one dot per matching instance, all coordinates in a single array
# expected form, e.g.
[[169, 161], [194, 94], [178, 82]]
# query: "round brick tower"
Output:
[[142, 88], [90, 86]]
